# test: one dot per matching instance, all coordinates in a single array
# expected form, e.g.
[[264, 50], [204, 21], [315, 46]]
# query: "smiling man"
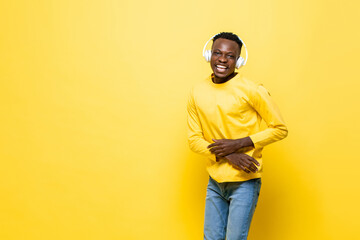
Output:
[[224, 115]]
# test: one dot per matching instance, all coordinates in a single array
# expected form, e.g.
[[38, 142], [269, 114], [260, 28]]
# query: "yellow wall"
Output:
[[93, 119]]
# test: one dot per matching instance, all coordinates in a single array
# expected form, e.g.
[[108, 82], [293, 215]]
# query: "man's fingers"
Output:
[[245, 162], [251, 166], [217, 149], [253, 160], [213, 149], [213, 145], [216, 152], [222, 154], [240, 167], [244, 169], [250, 169]]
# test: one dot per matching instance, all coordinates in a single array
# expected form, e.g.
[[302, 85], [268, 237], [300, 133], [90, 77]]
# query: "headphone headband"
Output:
[[240, 62]]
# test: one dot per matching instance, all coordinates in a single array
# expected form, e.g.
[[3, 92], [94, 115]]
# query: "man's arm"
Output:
[[262, 102], [223, 147], [227, 148], [276, 130], [197, 142]]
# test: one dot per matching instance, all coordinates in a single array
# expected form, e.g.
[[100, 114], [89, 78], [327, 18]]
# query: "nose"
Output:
[[222, 58]]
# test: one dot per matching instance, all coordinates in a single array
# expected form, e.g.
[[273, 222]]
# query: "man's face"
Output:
[[225, 52]]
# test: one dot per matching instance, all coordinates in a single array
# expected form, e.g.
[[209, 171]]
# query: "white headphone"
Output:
[[240, 62]]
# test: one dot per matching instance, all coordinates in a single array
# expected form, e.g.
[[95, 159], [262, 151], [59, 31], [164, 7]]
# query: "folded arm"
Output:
[[262, 102]]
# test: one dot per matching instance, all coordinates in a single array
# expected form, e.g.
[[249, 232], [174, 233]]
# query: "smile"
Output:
[[220, 68]]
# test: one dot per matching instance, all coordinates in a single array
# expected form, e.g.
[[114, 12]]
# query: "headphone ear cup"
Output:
[[207, 55], [240, 62]]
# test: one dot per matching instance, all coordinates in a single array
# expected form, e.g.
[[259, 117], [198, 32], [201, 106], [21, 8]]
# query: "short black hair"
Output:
[[229, 36]]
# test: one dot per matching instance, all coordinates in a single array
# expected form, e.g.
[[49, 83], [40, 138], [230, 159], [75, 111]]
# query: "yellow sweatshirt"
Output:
[[232, 110]]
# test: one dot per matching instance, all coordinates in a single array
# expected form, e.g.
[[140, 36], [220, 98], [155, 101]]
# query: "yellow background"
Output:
[[93, 117]]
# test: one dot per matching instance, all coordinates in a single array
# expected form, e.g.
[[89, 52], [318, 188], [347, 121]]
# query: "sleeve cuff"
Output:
[[255, 138]]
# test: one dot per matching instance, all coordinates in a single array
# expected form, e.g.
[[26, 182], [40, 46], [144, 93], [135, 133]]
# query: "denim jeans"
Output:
[[229, 208]]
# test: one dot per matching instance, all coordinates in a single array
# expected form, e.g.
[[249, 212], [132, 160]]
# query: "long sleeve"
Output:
[[262, 102], [197, 142], [231, 110]]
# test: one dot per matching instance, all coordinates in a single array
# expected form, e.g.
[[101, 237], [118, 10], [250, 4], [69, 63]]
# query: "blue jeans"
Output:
[[229, 208]]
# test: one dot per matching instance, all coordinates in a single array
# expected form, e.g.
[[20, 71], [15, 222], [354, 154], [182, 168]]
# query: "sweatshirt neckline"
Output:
[[238, 75]]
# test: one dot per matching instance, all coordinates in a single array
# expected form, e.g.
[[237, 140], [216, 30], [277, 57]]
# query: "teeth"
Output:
[[219, 66]]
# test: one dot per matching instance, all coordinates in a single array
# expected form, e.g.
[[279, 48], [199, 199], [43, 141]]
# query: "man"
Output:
[[224, 115]]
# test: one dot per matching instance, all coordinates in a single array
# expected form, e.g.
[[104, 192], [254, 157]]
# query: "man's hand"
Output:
[[223, 147], [243, 162]]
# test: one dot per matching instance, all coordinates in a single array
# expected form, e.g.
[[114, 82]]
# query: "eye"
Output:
[[231, 56], [217, 53]]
